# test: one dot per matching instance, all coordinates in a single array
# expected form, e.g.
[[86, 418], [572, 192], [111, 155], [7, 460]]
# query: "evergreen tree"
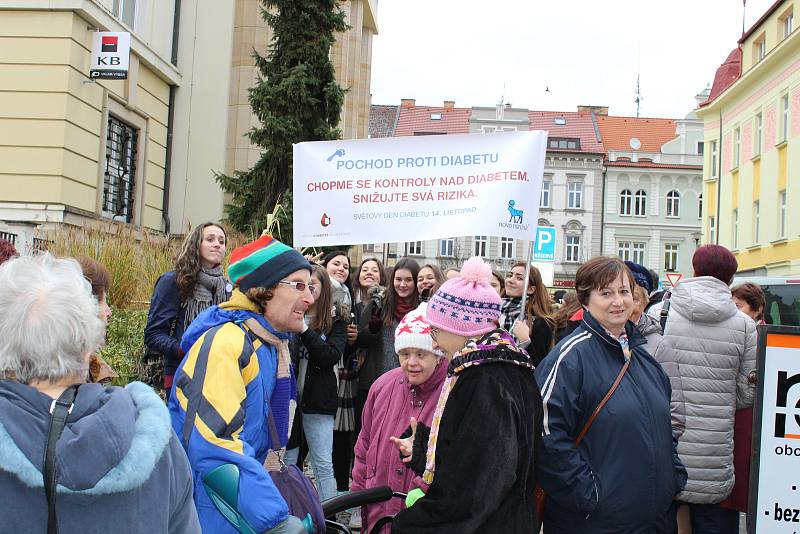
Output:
[[295, 99]]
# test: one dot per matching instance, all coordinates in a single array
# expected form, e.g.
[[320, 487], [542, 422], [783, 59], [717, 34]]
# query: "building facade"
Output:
[[653, 191], [752, 131], [141, 151]]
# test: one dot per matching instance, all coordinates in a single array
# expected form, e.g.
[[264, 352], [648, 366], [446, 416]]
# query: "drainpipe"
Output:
[[176, 23], [719, 178]]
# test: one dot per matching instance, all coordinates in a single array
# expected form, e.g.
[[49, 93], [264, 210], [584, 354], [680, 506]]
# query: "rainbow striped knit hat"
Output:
[[264, 263]]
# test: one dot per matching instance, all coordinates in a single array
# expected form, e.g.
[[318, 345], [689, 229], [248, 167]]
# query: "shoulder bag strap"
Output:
[[603, 402], [664, 315], [59, 411]]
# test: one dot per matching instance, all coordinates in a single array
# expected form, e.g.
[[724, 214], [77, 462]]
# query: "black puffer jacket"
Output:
[[320, 394]]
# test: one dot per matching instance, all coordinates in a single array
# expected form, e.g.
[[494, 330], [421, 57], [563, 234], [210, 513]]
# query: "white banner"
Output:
[[415, 188]]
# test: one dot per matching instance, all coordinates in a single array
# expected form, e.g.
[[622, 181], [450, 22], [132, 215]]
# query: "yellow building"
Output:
[[142, 151], [752, 148]]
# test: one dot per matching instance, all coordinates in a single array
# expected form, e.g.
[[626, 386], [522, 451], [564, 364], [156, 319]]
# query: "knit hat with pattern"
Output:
[[414, 331], [264, 263], [466, 305]]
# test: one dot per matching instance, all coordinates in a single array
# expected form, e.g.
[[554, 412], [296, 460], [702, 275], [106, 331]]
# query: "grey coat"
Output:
[[715, 345], [121, 468], [660, 349]]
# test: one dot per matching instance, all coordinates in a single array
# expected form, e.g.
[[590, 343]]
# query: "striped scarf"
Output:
[[467, 357], [509, 312]]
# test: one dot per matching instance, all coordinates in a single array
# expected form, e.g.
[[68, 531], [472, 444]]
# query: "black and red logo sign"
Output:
[[108, 43]]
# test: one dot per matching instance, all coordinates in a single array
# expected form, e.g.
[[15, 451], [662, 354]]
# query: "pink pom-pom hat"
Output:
[[466, 305]]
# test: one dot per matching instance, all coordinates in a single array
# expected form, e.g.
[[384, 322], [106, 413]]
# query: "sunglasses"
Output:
[[300, 286]]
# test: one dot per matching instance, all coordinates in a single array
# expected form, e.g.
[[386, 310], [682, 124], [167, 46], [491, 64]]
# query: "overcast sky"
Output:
[[584, 51]]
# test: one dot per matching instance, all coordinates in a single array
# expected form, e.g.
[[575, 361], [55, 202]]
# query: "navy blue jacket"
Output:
[[166, 309], [623, 476]]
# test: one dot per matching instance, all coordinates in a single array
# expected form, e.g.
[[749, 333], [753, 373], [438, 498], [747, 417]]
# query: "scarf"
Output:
[[474, 353], [509, 312], [402, 308], [210, 288]]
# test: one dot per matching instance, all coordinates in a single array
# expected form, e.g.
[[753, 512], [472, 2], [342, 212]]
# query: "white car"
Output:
[[783, 298]]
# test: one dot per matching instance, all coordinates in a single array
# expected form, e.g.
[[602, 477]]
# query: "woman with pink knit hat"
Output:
[[478, 458]]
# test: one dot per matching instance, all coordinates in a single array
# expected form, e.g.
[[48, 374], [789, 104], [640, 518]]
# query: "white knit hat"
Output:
[[414, 331]]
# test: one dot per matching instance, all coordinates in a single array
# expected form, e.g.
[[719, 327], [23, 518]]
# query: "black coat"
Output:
[[486, 453], [320, 395]]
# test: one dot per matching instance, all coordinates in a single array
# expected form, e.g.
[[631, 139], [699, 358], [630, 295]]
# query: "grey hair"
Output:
[[49, 319]]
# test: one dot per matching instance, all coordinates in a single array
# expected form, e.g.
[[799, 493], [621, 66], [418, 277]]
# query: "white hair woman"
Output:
[[118, 454]]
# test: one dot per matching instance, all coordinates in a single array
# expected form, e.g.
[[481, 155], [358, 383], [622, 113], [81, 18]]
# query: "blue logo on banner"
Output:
[[338, 153], [516, 215], [544, 247]]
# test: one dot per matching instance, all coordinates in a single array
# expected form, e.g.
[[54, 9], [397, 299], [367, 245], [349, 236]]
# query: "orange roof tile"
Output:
[[576, 125], [617, 132], [417, 120]]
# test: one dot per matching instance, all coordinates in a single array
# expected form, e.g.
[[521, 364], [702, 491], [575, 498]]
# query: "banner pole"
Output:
[[527, 281]]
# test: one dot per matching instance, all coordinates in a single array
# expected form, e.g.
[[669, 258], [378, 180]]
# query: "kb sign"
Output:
[[110, 55], [544, 246]]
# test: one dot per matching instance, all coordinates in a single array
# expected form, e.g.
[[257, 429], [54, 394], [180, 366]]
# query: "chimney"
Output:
[[408, 102], [597, 110], [449, 104]]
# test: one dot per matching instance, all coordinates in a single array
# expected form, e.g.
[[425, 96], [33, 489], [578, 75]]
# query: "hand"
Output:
[[406, 445], [521, 331], [352, 334]]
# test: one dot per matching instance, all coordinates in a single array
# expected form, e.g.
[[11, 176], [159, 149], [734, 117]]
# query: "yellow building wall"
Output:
[[51, 119]]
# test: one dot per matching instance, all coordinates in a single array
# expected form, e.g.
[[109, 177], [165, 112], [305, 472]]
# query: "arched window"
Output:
[[625, 202], [640, 203], [673, 204]]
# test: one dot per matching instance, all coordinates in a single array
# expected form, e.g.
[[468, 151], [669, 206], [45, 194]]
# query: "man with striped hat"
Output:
[[235, 377]]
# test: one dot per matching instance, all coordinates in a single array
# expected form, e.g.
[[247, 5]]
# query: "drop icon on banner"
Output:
[[325, 220]]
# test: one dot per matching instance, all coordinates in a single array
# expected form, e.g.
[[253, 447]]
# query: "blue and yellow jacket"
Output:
[[230, 375]]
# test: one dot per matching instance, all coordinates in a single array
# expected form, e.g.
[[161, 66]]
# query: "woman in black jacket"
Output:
[[315, 353], [534, 328]]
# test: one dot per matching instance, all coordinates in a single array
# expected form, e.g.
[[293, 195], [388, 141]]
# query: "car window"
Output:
[[783, 304]]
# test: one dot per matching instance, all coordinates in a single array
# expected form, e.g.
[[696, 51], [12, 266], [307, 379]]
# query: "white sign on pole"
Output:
[[775, 488], [111, 53], [548, 271], [416, 188]]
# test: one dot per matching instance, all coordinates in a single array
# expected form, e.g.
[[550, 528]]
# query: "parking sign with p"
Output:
[[544, 246]]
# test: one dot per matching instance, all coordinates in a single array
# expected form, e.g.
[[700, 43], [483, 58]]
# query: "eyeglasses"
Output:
[[300, 286]]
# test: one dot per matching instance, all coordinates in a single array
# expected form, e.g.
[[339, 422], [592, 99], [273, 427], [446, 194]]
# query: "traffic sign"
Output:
[[544, 246], [674, 278]]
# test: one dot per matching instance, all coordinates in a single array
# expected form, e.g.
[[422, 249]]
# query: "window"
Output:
[[759, 129], [640, 203], [446, 247], [624, 250], [760, 48], [670, 257], [787, 22], [712, 230], [713, 158], [673, 204], [625, 202], [735, 229], [39, 245], [575, 195], [480, 245], [638, 253], [544, 199], [120, 175], [784, 117], [782, 214], [700, 147], [737, 145], [488, 129], [564, 143], [368, 248], [573, 248], [700, 206], [8, 236], [506, 248], [125, 10], [414, 248], [509, 128], [561, 121], [436, 116], [756, 222]]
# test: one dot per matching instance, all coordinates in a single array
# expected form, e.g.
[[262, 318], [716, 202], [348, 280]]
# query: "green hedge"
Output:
[[125, 343]]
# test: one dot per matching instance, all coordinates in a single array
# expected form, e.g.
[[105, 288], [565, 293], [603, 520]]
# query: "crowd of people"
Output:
[[492, 404]]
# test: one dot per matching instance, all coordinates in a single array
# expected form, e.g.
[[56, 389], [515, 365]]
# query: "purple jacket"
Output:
[[391, 403]]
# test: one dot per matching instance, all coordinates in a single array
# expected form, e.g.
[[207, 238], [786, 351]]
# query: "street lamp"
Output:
[[696, 237]]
